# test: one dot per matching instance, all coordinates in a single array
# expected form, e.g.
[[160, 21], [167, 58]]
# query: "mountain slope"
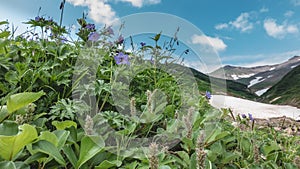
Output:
[[286, 91], [258, 79], [274, 75], [232, 88], [235, 73]]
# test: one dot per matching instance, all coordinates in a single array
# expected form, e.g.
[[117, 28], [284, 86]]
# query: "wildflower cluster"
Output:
[[48, 27], [127, 99]]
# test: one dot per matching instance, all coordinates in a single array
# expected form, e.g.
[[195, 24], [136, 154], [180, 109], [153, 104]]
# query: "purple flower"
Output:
[[244, 116], [120, 40], [109, 31], [90, 27], [94, 36], [143, 44], [152, 60], [63, 39], [207, 95], [250, 117], [37, 18], [50, 20], [121, 58]]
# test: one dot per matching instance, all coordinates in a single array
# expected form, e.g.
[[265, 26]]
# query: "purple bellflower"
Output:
[[143, 44], [244, 116], [208, 95], [121, 58], [90, 27], [94, 36], [120, 40], [250, 117]]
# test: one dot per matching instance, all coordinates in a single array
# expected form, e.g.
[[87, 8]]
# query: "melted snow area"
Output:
[[273, 68], [261, 92], [292, 67], [255, 81], [235, 77], [258, 110]]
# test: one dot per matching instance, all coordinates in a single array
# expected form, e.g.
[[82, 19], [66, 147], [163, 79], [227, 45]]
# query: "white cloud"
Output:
[[101, 12], [214, 42], [279, 31], [140, 3], [263, 10], [241, 23], [221, 26], [289, 13]]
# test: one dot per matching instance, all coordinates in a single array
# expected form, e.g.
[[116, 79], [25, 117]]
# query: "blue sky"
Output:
[[243, 32]]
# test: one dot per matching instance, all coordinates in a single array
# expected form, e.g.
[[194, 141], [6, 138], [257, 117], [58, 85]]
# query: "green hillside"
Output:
[[232, 88], [286, 91]]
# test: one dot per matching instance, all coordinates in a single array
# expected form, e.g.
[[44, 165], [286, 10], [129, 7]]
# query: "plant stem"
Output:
[[62, 6]]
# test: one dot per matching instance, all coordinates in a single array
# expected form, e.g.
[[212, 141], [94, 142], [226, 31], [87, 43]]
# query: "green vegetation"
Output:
[[232, 88], [286, 91], [90, 104]]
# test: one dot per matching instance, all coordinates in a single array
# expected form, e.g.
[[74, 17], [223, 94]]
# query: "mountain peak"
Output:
[[295, 57]]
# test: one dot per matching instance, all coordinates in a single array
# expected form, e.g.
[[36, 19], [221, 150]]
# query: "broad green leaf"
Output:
[[35, 157], [222, 135], [20, 100], [4, 34], [89, 147], [290, 166], [64, 124], [170, 111], [7, 165], [50, 137], [212, 134], [157, 37], [3, 22], [183, 155], [3, 113], [108, 164], [193, 161], [21, 165], [131, 165], [48, 148], [12, 145], [12, 77], [67, 149], [62, 136], [229, 157], [246, 145], [267, 149], [9, 128]]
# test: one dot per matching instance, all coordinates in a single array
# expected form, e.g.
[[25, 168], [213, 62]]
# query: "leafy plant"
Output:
[[48, 82]]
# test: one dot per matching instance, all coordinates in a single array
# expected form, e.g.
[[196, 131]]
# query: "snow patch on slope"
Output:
[[258, 110], [255, 81], [235, 77], [292, 67], [261, 92], [272, 68]]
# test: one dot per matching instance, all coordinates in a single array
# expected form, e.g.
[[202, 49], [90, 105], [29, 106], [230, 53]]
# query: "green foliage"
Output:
[[17, 101], [157, 99], [286, 91], [67, 109], [12, 143], [89, 147]]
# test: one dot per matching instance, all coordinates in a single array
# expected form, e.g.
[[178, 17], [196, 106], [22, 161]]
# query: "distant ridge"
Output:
[[260, 78], [286, 91]]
